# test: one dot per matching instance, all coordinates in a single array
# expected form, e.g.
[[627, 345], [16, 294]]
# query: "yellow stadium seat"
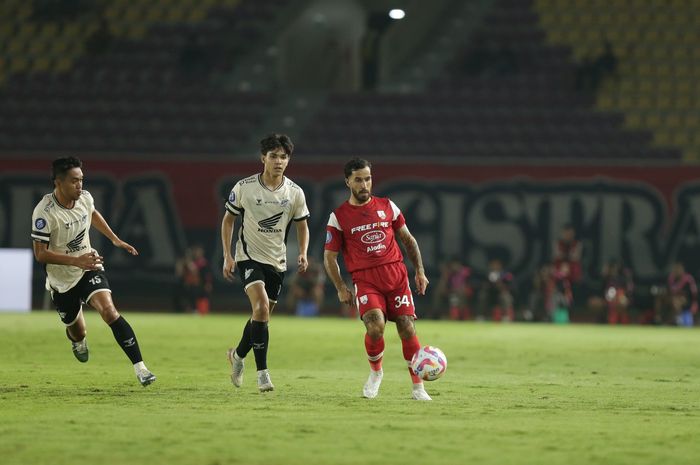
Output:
[[18, 64], [41, 64]]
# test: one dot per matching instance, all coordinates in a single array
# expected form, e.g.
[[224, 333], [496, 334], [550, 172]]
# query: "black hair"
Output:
[[275, 141], [354, 165], [60, 166]]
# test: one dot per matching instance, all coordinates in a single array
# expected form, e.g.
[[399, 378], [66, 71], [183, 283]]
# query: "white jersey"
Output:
[[266, 218], [66, 231]]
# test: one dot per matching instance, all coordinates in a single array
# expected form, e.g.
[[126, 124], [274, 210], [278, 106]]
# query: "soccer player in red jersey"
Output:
[[365, 229]]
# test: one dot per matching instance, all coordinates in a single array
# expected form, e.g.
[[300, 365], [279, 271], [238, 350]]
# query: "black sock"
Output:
[[246, 341], [126, 339], [260, 337]]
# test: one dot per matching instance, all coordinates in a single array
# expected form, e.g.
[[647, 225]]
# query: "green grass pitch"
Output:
[[512, 394]]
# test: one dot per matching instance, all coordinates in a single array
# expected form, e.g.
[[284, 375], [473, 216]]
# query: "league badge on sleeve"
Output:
[[329, 237], [40, 223], [232, 197]]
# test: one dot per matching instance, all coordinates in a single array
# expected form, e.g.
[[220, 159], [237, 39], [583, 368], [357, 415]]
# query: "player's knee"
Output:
[[375, 331], [405, 326], [109, 314], [261, 309]]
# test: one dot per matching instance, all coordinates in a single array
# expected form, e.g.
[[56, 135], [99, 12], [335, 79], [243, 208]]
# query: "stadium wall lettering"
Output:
[[648, 217]]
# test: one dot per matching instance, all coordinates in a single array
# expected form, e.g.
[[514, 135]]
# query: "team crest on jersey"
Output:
[[381, 214], [363, 299], [40, 223], [284, 202]]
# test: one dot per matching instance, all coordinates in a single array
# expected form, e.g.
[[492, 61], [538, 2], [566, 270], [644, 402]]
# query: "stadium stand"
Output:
[[132, 77], [127, 76], [508, 94], [656, 42]]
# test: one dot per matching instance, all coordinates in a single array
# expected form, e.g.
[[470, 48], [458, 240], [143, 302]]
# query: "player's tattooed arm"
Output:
[[411, 245]]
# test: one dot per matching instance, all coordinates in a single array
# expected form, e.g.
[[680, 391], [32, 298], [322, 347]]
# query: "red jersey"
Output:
[[365, 234]]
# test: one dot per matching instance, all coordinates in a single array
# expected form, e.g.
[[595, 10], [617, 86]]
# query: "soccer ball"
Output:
[[429, 363]]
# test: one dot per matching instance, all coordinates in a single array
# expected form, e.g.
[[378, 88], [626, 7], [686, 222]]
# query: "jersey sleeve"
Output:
[[398, 221], [301, 210], [334, 235], [90, 201], [233, 204], [41, 227]]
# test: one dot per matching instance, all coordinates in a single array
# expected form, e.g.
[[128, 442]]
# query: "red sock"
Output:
[[410, 346], [375, 352]]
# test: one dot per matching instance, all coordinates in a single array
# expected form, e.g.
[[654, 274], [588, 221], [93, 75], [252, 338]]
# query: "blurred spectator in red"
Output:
[[683, 293], [495, 295], [187, 283], [205, 282], [568, 249], [619, 289], [454, 290], [562, 294], [306, 291], [540, 304]]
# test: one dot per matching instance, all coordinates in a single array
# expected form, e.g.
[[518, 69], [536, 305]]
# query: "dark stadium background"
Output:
[[490, 122]]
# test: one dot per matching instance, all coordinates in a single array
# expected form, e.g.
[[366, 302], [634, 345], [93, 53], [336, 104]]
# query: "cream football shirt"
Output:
[[266, 215], [67, 231]]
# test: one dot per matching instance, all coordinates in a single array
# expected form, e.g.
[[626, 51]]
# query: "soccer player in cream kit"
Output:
[[74, 270], [267, 203], [365, 229]]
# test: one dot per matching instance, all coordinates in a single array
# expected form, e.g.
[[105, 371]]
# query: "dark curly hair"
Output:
[[275, 141], [61, 166], [354, 165]]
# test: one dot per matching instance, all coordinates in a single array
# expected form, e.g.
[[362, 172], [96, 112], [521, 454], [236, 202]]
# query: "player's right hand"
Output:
[[229, 268], [345, 296], [89, 261]]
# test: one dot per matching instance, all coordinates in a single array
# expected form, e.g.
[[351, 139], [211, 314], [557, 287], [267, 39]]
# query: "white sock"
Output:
[[139, 366]]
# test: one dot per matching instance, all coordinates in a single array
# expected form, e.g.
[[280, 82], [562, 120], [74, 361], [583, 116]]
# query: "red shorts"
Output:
[[386, 288]]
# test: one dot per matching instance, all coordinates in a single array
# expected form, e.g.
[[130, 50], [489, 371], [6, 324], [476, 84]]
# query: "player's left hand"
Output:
[[421, 283], [303, 262], [126, 246]]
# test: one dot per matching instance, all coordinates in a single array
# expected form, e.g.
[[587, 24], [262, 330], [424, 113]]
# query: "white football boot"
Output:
[[419, 392], [237, 367], [264, 381], [371, 388]]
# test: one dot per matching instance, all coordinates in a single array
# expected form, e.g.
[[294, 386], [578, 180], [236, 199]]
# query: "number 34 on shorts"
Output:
[[403, 300]]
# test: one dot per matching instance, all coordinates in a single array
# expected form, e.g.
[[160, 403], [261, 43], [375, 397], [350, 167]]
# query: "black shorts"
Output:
[[68, 304], [252, 271]]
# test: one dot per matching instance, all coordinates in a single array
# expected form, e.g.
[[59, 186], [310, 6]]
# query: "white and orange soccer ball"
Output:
[[429, 363]]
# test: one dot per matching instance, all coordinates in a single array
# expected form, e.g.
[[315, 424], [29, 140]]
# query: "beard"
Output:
[[362, 196]]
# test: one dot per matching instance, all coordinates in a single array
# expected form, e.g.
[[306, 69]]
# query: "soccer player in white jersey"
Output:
[[75, 272], [365, 229], [267, 204]]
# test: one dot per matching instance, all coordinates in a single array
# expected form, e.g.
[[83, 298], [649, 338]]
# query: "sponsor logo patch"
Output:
[[373, 237]]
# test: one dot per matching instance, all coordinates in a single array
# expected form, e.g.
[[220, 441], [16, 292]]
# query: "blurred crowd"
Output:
[[557, 290], [556, 293]]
